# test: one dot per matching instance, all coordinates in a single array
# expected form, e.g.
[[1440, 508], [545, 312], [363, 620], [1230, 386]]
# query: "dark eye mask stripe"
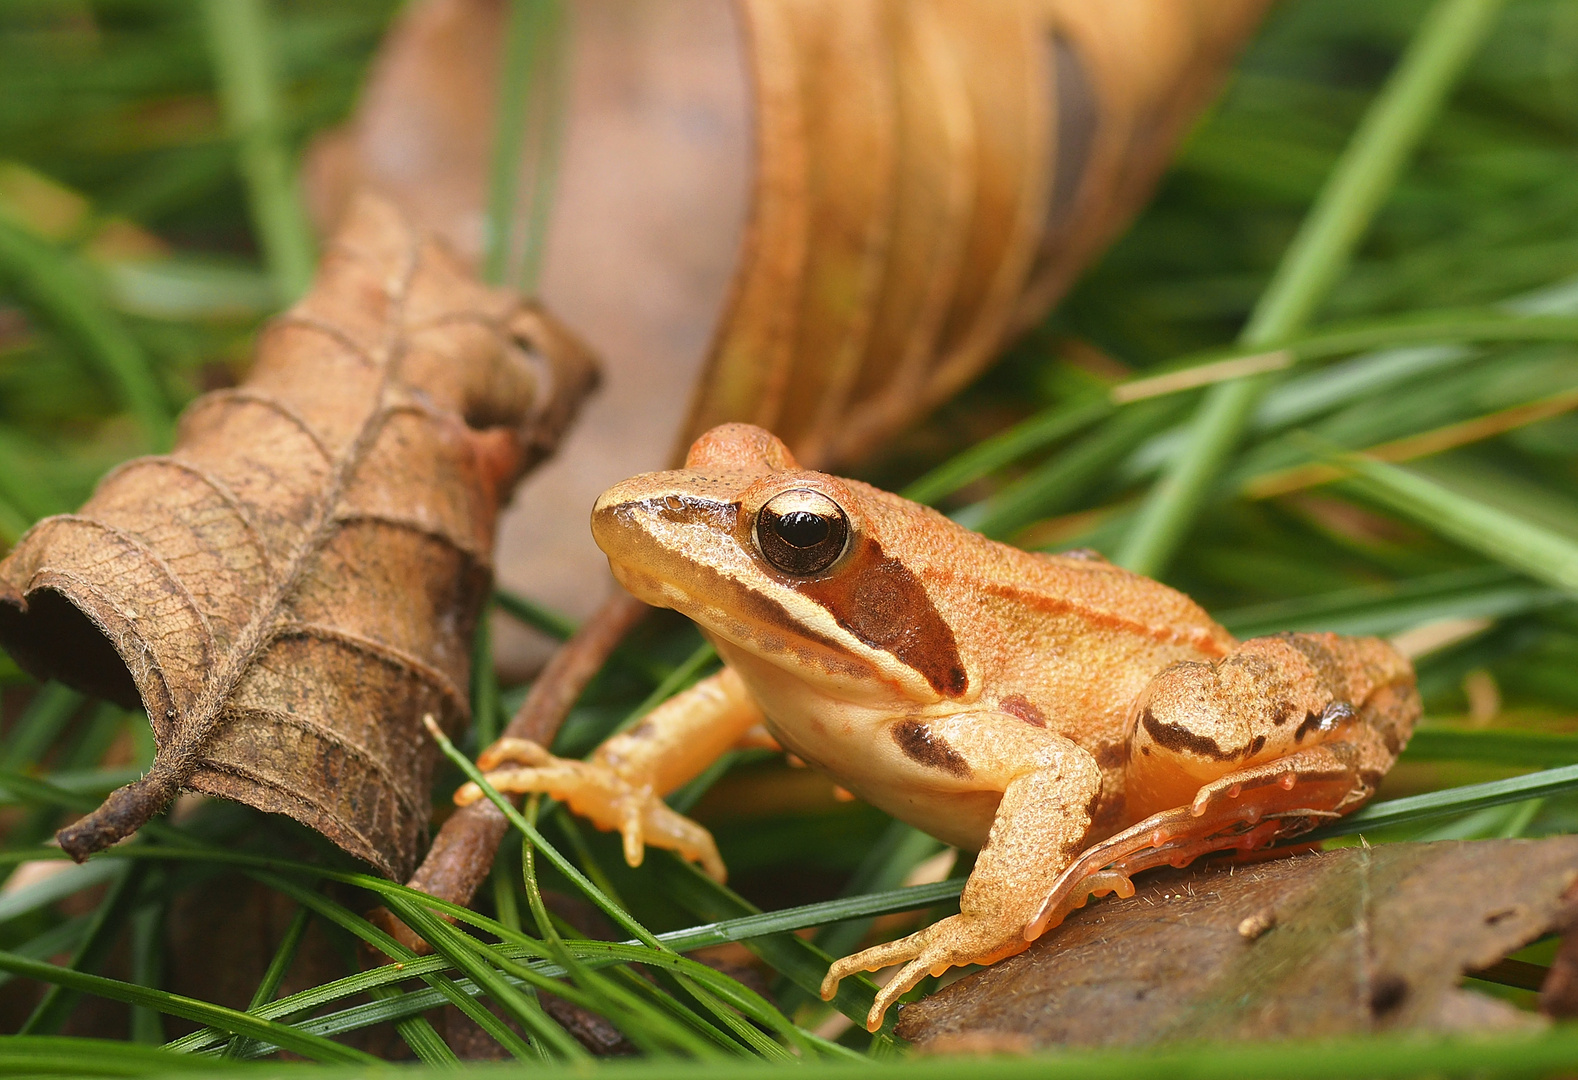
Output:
[[884, 605]]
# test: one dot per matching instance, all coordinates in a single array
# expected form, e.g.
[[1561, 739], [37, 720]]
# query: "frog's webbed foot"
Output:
[[952, 942], [1242, 811], [597, 792]]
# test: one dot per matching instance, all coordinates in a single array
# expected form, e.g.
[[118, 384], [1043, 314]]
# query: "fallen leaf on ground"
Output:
[[1339, 942], [295, 585]]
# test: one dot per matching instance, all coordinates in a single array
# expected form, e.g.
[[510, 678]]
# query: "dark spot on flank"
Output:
[[1283, 714], [1146, 750], [1257, 745], [1311, 723], [924, 748], [884, 605], [644, 730], [1114, 754], [1020, 706], [1177, 737], [1387, 992], [1090, 811]]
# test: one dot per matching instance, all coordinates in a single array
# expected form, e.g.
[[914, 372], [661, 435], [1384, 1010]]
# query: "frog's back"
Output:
[[978, 581]]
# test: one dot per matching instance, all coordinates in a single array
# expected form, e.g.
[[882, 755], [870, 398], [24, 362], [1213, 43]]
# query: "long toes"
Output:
[[905, 980], [508, 781], [666, 828], [634, 838], [872, 959], [511, 751]]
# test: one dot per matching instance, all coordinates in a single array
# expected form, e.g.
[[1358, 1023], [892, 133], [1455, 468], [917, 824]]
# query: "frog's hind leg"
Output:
[[1282, 733]]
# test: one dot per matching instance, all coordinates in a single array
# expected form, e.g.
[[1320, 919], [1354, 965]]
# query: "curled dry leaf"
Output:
[[1316, 945], [293, 586]]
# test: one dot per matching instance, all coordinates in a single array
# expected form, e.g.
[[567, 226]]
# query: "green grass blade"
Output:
[[417, 1032], [901, 848], [1058, 482], [485, 707], [558, 861], [241, 39], [716, 933], [278, 966], [547, 130], [147, 964], [796, 959], [63, 937], [58, 1056], [202, 1012], [1458, 800], [1026, 437], [1539, 552], [472, 959], [643, 1025], [39, 725], [618, 914], [64, 295], [58, 1001], [1360, 182], [521, 57], [1548, 1051], [1491, 746], [1481, 592], [68, 882], [1343, 339], [688, 672]]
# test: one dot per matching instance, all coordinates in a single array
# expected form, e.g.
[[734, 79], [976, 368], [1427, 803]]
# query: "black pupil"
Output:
[[803, 529]]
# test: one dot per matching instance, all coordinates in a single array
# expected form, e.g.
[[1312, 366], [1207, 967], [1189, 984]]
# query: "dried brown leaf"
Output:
[[1356, 940], [293, 586]]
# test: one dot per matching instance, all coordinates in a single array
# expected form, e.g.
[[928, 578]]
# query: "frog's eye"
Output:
[[801, 532]]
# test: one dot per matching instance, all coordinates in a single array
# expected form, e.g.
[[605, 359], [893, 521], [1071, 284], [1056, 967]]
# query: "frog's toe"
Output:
[[668, 829], [512, 751], [552, 780], [953, 942], [873, 959]]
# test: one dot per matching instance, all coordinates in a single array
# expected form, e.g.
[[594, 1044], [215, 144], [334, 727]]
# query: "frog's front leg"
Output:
[[622, 786], [1050, 787], [1282, 733]]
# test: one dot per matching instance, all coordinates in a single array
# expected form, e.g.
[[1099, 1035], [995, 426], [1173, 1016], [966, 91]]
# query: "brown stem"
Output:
[[125, 811], [462, 852]]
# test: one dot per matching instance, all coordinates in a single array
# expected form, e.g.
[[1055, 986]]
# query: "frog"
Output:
[[1071, 722]]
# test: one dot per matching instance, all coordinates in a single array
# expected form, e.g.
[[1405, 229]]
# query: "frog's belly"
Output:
[[956, 813], [960, 818]]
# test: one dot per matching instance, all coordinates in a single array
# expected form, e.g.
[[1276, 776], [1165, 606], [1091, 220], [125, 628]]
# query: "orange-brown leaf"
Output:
[[293, 586]]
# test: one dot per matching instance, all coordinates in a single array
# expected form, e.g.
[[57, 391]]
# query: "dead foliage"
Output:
[[295, 585]]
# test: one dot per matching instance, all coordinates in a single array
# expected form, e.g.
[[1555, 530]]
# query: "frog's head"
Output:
[[811, 573]]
